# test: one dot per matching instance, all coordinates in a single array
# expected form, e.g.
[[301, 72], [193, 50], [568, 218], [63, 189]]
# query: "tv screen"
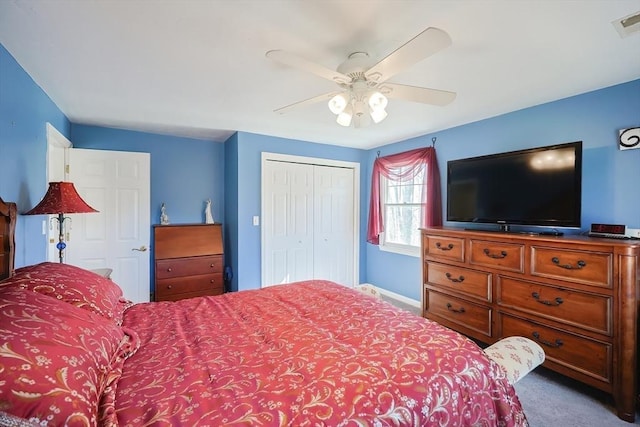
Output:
[[538, 187]]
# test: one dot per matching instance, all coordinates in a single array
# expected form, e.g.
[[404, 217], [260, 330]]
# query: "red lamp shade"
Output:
[[61, 198]]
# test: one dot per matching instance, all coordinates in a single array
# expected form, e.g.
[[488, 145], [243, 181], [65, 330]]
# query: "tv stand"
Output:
[[574, 295]]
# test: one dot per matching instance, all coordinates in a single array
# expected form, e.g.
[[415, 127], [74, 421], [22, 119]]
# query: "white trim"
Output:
[[55, 138], [267, 156], [410, 301]]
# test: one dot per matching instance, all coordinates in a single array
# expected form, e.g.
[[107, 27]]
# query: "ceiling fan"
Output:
[[364, 84]]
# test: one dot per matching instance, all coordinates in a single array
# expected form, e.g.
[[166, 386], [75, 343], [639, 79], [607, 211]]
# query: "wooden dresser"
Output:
[[576, 296], [189, 261]]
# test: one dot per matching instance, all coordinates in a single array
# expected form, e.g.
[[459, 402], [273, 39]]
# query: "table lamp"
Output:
[[61, 198]]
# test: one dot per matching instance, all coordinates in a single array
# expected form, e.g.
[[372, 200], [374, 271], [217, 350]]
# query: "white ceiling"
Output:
[[197, 68]]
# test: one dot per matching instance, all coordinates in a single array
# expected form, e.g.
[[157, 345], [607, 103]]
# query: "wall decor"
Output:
[[629, 139]]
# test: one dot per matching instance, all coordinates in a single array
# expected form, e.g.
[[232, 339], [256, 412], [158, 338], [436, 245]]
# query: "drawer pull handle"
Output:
[[581, 264], [169, 269], [502, 254], [212, 265], [169, 286], [557, 344], [460, 279], [450, 308], [444, 248], [555, 302]]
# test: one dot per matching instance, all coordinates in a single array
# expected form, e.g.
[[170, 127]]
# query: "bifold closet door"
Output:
[[333, 225], [308, 223]]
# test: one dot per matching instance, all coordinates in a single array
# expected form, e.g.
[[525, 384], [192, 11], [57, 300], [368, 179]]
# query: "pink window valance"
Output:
[[402, 166]]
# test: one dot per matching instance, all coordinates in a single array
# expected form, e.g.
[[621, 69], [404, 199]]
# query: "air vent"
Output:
[[628, 25]]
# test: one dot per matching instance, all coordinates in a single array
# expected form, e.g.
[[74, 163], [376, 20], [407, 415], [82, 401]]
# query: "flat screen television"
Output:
[[533, 187]]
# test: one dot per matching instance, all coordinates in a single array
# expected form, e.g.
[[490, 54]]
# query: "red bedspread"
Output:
[[305, 354]]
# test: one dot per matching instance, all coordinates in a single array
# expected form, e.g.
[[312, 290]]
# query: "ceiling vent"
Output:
[[628, 25]]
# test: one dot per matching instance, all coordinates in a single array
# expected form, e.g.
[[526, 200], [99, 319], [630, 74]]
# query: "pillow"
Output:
[[56, 360], [73, 285]]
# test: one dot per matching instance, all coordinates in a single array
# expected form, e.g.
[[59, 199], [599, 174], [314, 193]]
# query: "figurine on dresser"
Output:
[[164, 218], [208, 216]]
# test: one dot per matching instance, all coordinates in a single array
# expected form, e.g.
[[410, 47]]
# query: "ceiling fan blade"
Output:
[[300, 63], [418, 48], [324, 97], [417, 94]]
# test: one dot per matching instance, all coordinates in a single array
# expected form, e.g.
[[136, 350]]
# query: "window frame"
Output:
[[397, 248]]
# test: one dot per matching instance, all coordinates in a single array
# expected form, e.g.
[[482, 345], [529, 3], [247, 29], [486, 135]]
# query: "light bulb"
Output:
[[378, 115], [338, 103], [378, 101], [344, 118]]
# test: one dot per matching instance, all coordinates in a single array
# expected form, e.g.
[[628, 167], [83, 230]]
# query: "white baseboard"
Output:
[[398, 297]]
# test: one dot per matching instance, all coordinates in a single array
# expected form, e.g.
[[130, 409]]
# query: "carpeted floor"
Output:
[[553, 400], [550, 399]]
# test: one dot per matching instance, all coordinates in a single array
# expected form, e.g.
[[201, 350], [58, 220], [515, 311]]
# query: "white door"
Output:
[[57, 145], [117, 184], [310, 221], [289, 229], [333, 224]]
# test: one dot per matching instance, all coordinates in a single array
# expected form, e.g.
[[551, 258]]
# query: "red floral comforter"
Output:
[[305, 354]]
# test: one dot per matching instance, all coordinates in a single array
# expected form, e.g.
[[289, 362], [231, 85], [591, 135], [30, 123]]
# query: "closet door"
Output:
[[333, 224], [288, 222], [308, 223]]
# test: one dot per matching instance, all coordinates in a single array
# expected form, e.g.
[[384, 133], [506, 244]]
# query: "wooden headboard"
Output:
[[8, 216]]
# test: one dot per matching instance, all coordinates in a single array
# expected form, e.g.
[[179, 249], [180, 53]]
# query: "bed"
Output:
[[314, 353]]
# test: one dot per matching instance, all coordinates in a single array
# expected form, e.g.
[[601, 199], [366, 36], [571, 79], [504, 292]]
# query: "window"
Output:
[[408, 199], [402, 211]]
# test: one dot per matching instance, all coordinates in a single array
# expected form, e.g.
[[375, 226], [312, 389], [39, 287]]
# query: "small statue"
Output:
[[208, 217], [164, 218]]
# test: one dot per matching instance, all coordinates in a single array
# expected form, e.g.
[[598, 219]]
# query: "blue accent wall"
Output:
[[25, 110], [610, 177]]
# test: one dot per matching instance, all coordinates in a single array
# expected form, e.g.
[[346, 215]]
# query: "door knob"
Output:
[[142, 248]]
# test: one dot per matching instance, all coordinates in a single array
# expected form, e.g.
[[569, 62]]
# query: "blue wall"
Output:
[[245, 176], [24, 111], [610, 177], [184, 172]]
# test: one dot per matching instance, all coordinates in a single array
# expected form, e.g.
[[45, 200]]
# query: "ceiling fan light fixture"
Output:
[[378, 115], [338, 103], [344, 118], [377, 101]]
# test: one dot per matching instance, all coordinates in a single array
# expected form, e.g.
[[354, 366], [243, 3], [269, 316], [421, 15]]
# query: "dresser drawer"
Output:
[[178, 297], [209, 283], [567, 306], [589, 357], [447, 248], [470, 282], [591, 268], [459, 311], [177, 267], [503, 256]]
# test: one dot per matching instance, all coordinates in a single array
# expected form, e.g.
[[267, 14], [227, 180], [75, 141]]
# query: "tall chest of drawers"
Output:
[[576, 296], [189, 261]]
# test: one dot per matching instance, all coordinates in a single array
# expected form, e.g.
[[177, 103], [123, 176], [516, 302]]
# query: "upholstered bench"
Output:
[[369, 290], [516, 355]]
